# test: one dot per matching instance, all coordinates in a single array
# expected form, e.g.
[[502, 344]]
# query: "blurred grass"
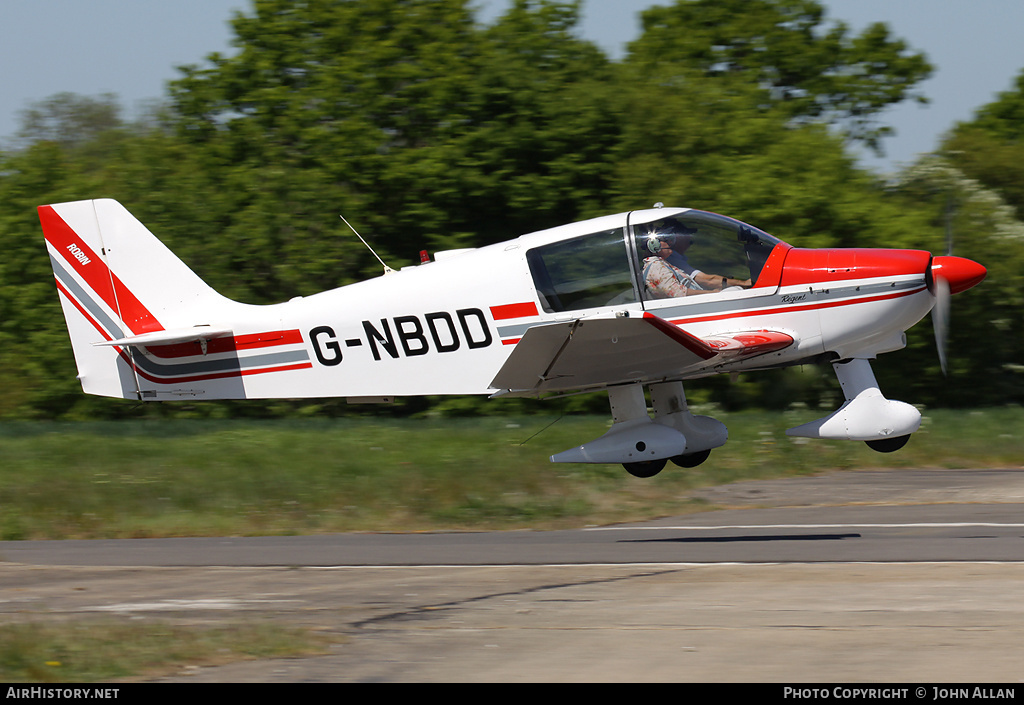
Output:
[[95, 651], [203, 478]]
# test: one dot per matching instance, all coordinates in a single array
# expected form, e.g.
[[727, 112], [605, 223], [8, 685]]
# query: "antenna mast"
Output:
[[387, 269]]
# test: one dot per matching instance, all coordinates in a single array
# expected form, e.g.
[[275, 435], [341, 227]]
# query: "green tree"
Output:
[[990, 148], [69, 119], [429, 131], [425, 131], [404, 115], [800, 67], [65, 156], [546, 121], [698, 141], [982, 179], [31, 322], [985, 330]]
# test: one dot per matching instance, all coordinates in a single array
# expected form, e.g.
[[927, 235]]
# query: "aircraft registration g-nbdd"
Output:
[[646, 298]]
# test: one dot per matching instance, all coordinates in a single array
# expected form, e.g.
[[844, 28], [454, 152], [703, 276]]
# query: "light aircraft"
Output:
[[583, 307]]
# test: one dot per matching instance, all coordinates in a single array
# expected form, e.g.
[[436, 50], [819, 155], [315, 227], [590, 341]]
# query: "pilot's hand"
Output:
[[727, 282]]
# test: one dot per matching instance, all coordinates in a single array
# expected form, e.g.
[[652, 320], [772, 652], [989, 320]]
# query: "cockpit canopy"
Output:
[[613, 267]]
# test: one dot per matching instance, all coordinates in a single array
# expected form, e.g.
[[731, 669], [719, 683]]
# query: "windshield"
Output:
[[690, 252], [697, 252]]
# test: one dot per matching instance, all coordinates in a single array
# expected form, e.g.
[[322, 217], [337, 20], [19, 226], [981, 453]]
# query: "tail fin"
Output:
[[131, 305]]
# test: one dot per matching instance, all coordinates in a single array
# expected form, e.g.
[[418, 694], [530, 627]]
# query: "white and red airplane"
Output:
[[646, 298]]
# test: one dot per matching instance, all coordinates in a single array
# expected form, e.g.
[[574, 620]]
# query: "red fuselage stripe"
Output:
[[228, 344], [793, 309], [287, 338], [770, 311], [507, 311]]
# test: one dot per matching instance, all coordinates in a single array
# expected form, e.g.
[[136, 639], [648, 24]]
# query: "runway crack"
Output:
[[431, 611]]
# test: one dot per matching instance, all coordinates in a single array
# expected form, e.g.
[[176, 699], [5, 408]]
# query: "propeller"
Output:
[[949, 275], [940, 318]]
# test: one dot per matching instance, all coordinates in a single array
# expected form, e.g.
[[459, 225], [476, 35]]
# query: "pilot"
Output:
[[669, 274]]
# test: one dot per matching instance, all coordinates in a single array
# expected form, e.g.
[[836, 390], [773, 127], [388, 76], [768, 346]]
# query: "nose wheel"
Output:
[[888, 445]]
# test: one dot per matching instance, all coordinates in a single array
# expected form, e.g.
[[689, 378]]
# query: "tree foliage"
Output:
[[801, 67], [69, 119], [427, 130], [986, 328], [990, 148], [980, 179], [403, 115]]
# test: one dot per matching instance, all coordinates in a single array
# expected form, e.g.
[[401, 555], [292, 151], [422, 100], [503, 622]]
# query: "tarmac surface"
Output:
[[904, 576]]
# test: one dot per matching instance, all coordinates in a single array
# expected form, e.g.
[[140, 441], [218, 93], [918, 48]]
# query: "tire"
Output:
[[691, 460], [888, 445], [646, 468]]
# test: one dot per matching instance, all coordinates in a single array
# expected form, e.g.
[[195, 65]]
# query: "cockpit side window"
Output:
[[585, 272], [698, 253]]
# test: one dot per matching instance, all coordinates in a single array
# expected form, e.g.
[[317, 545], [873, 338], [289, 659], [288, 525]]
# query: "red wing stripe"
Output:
[[96, 274], [695, 345], [752, 343], [507, 311]]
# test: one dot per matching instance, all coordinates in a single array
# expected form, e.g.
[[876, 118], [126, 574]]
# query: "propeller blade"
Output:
[[947, 276], [940, 317]]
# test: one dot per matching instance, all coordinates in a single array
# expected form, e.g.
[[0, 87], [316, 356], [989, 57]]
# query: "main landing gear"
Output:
[[885, 425], [650, 468], [644, 445]]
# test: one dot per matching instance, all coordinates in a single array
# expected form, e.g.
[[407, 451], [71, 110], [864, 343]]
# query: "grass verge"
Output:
[[95, 651], [204, 478]]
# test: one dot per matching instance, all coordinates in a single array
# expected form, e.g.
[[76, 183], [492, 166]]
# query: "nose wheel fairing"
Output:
[[866, 415]]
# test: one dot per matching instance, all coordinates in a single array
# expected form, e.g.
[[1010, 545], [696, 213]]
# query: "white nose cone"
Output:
[[869, 417]]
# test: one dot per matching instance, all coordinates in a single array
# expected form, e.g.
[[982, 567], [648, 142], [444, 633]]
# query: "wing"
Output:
[[600, 352]]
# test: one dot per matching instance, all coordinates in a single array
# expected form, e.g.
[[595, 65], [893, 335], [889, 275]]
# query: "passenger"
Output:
[[669, 274]]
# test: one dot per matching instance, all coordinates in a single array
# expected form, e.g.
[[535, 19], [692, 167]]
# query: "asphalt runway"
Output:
[[911, 576]]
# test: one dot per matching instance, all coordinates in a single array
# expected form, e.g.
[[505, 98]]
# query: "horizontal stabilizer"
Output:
[[170, 337]]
